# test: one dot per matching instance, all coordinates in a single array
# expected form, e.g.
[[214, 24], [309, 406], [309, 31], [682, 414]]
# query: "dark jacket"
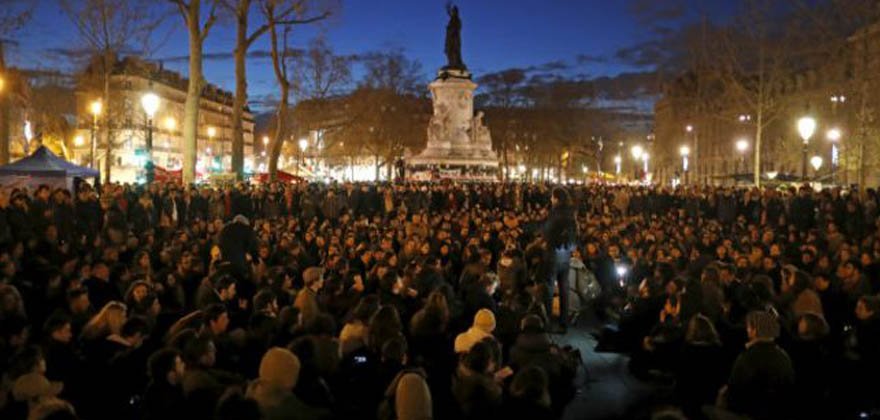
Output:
[[761, 382]]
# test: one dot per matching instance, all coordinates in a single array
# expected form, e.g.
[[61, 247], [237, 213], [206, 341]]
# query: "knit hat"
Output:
[[35, 385], [280, 367], [485, 320], [412, 400]]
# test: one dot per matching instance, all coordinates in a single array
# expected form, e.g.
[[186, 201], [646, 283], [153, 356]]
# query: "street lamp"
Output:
[[150, 103], [806, 127], [636, 152], [833, 136], [170, 124], [741, 146], [78, 141], [95, 109], [816, 162], [303, 145], [684, 151]]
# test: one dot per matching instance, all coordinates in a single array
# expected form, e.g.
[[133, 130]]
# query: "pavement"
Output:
[[606, 388]]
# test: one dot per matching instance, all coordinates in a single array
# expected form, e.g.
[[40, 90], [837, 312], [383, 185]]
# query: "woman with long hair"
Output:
[[107, 321], [559, 237]]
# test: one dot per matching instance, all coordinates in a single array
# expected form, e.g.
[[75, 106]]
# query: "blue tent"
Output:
[[43, 167]]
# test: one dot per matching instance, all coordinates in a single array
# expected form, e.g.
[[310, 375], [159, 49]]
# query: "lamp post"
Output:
[[150, 103], [833, 136], [741, 146], [684, 151], [806, 127], [303, 145], [816, 163], [95, 109], [636, 152]]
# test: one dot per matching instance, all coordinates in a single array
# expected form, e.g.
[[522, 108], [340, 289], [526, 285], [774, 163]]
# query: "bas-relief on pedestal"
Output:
[[456, 137]]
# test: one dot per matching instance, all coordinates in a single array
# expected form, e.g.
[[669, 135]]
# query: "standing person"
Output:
[[237, 242], [559, 235]]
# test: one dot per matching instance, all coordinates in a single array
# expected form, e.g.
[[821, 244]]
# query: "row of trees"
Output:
[[110, 28], [773, 61]]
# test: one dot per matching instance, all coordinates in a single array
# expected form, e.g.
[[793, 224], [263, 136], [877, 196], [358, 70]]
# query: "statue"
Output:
[[453, 40]]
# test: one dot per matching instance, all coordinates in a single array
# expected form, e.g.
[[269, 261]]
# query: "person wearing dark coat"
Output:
[[559, 234], [528, 396], [762, 378], [237, 240], [163, 398], [701, 367], [534, 348]]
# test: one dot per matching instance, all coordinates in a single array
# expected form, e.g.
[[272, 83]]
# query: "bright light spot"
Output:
[[78, 141], [684, 150], [742, 145], [833, 134], [816, 162], [150, 102], [806, 127], [637, 152], [265, 140], [170, 123], [212, 132], [95, 107]]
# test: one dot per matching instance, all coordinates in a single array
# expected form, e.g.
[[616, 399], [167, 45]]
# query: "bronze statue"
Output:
[[453, 40]]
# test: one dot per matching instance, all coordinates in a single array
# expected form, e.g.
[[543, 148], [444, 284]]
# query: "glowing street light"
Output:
[[265, 140], [689, 128], [806, 127], [170, 124], [685, 152], [816, 162], [212, 132], [833, 135], [150, 103], [637, 152], [741, 146], [78, 141]]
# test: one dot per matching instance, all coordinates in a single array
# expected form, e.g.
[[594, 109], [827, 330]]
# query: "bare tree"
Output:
[[281, 16], [191, 12], [13, 15], [244, 39], [109, 27]]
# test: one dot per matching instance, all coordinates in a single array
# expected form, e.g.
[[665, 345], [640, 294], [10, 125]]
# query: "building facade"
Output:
[[124, 125], [694, 113]]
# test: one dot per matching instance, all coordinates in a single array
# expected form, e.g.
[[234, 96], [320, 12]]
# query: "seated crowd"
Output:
[[421, 301]]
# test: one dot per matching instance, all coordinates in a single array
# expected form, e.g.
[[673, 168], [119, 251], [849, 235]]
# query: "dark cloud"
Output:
[[589, 58]]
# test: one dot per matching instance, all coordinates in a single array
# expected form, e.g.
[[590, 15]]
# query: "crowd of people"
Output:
[[432, 300]]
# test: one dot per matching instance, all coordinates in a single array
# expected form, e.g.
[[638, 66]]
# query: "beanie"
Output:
[[412, 400], [485, 320], [280, 367]]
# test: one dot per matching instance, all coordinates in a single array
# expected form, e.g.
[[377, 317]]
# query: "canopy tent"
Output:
[[43, 167]]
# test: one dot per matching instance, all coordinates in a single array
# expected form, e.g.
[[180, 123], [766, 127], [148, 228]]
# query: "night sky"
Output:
[[497, 34]]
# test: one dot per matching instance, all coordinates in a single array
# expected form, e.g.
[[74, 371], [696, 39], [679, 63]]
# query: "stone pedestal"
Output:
[[456, 137]]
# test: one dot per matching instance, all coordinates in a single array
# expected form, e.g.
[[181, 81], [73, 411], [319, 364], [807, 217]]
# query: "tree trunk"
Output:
[[280, 133], [759, 129], [193, 94], [105, 128], [4, 110], [240, 53]]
